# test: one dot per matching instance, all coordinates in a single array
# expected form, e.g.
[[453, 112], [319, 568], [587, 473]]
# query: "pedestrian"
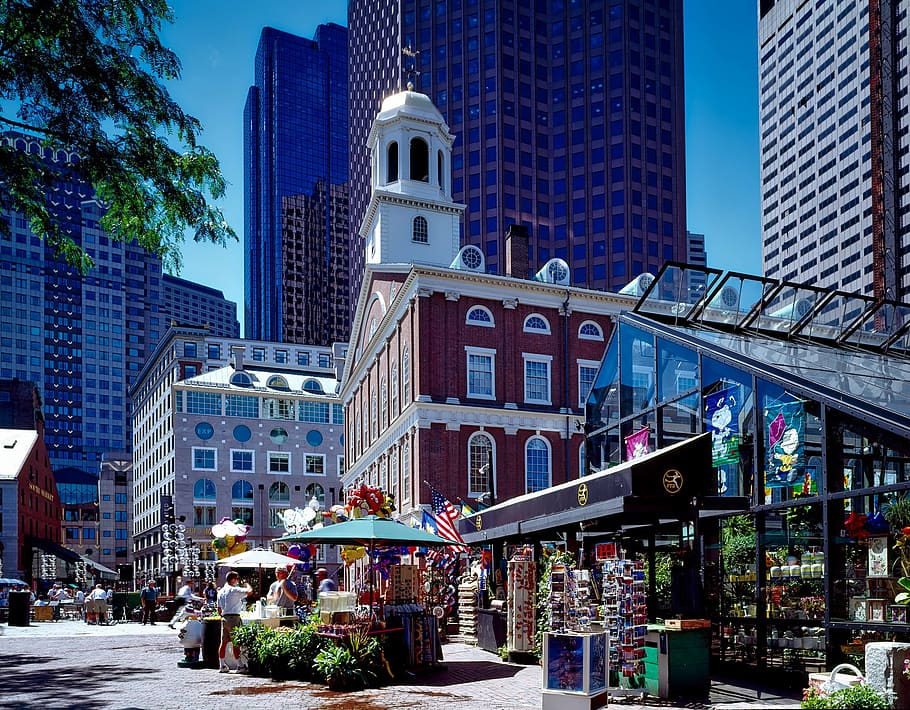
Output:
[[211, 593], [184, 596], [99, 598], [149, 598], [231, 602], [283, 592], [326, 583]]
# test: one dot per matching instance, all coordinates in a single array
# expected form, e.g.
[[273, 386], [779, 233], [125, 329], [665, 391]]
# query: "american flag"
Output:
[[444, 515]]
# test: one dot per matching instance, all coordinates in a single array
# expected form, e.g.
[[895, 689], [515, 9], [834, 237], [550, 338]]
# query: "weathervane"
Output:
[[411, 69]]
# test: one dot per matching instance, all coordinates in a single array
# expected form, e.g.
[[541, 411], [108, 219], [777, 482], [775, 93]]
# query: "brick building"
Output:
[[472, 382]]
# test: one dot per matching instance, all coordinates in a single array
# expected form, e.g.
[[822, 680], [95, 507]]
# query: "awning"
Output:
[[666, 484], [52, 548], [100, 569]]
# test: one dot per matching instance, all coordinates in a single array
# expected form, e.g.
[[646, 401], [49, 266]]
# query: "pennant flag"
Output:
[[466, 510], [445, 515], [722, 416], [785, 428], [637, 444]]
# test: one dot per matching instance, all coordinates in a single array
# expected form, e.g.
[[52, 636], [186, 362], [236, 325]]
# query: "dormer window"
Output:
[[241, 379], [420, 160], [419, 232], [312, 386], [277, 382], [392, 162]]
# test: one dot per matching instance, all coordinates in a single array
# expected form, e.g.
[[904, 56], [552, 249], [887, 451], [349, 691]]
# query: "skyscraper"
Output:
[[568, 119], [190, 303], [296, 194], [834, 140]]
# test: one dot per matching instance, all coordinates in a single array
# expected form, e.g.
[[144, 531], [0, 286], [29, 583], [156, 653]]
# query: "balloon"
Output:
[[305, 553], [309, 515], [219, 544], [218, 530], [230, 540], [294, 551]]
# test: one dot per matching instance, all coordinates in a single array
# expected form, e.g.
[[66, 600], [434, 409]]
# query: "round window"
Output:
[[278, 435], [204, 430], [314, 437], [242, 432]]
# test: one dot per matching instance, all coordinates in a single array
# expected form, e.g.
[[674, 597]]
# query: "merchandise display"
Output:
[[626, 620]]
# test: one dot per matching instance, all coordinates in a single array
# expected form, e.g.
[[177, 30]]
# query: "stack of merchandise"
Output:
[[626, 619]]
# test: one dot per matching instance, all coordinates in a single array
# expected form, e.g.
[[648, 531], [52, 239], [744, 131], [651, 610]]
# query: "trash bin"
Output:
[[211, 642], [19, 608]]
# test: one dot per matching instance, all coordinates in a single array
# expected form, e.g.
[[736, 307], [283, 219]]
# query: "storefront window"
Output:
[[678, 420], [677, 370], [602, 409], [637, 370], [728, 404]]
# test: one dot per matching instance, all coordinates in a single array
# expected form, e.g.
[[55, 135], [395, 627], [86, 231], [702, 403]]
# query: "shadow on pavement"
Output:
[[62, 687], [455, 672]]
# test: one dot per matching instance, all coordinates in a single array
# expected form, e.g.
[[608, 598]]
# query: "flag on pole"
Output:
[[445, 514], [637, 444], [466, 510]]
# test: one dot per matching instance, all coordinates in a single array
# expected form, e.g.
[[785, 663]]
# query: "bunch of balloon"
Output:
[[229, 537], [369, 500], [303, 553]]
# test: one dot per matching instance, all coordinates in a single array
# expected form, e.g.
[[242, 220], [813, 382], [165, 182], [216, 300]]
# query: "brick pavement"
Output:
[[72, 665]]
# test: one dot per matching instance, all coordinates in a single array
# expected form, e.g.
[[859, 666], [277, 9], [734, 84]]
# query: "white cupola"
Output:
[[411, 217]]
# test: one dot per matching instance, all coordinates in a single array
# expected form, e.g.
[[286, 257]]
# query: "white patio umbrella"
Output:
[[257, 559]]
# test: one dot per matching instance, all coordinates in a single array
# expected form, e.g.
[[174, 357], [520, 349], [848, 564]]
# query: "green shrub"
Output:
[[340, 668], [860, 697]]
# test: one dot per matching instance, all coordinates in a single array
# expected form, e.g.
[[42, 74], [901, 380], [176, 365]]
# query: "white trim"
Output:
[[243, 470], [539, 331], [591, 337], [537, 437], [545, 359], [480, 352], [203, 448], [269, 463], [480, 323]]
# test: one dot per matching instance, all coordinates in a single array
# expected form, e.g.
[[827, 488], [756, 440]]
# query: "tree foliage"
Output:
[[87, 76]]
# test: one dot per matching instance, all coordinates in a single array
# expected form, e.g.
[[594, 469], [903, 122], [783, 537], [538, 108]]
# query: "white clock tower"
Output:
[[411, 218]]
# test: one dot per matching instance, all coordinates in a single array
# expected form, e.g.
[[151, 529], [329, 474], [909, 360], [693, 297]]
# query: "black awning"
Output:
[[662, 484], [53, 548]]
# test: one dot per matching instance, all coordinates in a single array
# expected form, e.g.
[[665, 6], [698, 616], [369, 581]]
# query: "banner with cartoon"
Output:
[[722, 416], [785, 429], [637, 444]]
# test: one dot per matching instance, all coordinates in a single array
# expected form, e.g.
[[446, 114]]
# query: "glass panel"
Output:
[[676, 291], [836, 315], [603, 450], [880, 324], [734, 299], [729, 415], [602, 408], [677, 370], [788, 306], [636, 361], [678, 420]]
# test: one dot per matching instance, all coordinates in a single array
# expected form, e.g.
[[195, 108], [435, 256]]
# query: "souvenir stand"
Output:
[[404, 610], [575, 658], [521, 622], [625, 617]]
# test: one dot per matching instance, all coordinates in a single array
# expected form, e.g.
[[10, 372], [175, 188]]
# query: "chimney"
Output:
[[237, 352], [517, 264]]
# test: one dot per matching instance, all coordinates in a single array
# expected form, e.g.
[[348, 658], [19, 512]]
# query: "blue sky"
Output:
[[216, 42]]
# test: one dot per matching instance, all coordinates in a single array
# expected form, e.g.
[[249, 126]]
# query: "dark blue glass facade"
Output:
[[568, 117], [296, 175]]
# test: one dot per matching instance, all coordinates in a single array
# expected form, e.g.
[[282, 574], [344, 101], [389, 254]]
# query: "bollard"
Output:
[[885, 671]]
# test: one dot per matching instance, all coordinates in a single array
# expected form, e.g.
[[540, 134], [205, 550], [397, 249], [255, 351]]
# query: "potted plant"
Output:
[[897, 513]]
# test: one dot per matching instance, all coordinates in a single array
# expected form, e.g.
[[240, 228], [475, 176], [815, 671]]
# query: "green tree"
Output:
[[87, 76]]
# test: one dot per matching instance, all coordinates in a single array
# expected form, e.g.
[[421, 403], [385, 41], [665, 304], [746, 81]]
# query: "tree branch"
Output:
[[28, 127]]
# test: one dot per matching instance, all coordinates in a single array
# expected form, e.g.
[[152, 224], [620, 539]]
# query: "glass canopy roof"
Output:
[[685, 295]]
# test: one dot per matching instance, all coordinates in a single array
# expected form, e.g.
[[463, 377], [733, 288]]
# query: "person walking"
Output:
[[211, 593], [283, 592], [149, 599], [98, 597], [231, 602], [184, 596], [326, 583]]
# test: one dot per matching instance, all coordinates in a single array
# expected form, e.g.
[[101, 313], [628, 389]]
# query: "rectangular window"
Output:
[[204, 459], [241, 405], [203, 403], [337, 414], [241, 460], [214, 350], [281, 357], [587, 371], [189, 349], [259, 354], [481, 373], [204, 515], [537, 378], [242, 513], [303, 359], [314, 464], [275, 520], [281, 409], [314, 412], [279, 462], [325, 360], [405, 472]]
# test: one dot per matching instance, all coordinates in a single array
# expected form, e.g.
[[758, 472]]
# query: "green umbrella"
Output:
[[369, 532]]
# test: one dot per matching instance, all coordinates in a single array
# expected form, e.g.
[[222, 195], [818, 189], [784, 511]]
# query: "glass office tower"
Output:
[[296, 174], [568, 117]]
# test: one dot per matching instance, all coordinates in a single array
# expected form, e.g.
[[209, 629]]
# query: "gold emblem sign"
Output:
[[673, 481], [583, 494]]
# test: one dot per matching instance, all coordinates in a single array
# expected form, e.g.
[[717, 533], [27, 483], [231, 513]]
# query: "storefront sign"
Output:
[[522, 617], [583, 494], [673, 481]]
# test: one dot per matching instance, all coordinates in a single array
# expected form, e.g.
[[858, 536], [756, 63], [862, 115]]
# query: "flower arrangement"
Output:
[[813, 606], [897, 513]]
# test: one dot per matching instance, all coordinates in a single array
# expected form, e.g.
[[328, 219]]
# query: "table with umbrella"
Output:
[[371, 532]]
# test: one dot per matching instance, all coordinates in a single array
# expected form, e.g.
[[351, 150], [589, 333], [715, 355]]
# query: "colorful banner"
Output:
[[722, 416], [637, 444], [522, 619], [785, 431]]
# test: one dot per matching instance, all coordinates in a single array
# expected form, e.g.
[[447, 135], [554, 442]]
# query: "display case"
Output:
[[576, 668]]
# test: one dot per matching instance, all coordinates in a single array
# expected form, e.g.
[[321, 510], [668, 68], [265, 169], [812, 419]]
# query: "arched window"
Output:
[[479, 315], [384, 404], [374, 419], [482, 465], [420, 232], [405, 378], [439, 170], [392, 162], [312, 386], [241, 379], [317, 491], [394, 390], [420, 160], [536, 323], [279, 492], [277, 382], [204, 489], [405, 471], [589, 330], [537, 465], [242, 490]]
